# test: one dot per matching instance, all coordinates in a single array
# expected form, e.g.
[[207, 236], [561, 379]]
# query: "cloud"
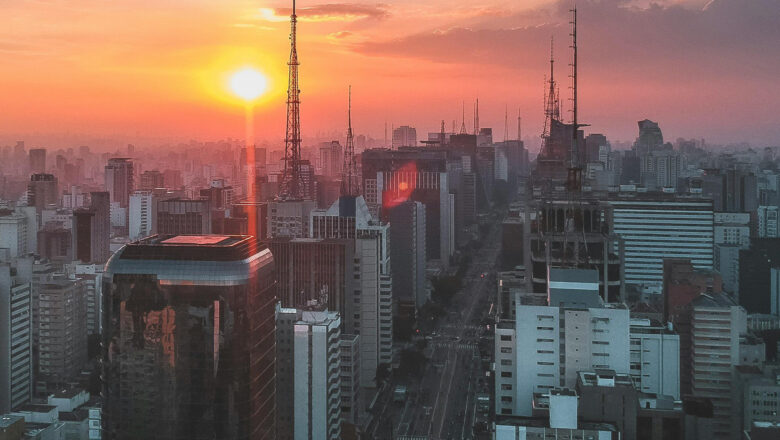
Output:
[[328, 12], [340, 35], [726, 37]]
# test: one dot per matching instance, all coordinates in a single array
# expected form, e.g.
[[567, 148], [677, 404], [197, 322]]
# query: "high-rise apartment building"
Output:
[[16, 360], [712, 331], [546, 346], [189, 347], [142, 215], [309, 384], [62, 328], [368, 310], [42, 191], [119, 180]]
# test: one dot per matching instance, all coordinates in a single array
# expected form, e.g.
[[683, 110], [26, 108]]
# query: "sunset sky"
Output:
[[159, 67]]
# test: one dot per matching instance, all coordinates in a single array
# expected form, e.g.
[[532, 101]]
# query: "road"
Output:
[[442, 404]]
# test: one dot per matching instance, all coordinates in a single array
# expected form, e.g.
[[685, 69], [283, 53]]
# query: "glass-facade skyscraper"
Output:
[[189, 339]]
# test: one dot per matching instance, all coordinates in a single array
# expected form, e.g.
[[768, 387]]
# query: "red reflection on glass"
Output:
[[399, 186]]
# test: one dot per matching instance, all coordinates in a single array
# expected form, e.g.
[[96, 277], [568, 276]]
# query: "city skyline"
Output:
[[408, 64]]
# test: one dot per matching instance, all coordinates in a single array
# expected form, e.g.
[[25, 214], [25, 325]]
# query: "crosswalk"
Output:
[[456, 345]]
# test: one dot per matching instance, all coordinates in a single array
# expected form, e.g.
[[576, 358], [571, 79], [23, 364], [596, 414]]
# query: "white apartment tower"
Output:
[[143, 215], [16, 363], [546, 346], [655, 358], [316, 378]]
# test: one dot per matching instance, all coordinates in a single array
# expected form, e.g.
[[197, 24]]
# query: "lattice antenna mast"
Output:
[[291, 184], [575, 123], [551, 105], [442, 136], [349, 168], [463, 120]]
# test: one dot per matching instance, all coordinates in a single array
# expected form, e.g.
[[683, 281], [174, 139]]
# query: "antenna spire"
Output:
[[463, 119], [291, 185], [349, 168], [476, 117], [519, 126], [506, 122]]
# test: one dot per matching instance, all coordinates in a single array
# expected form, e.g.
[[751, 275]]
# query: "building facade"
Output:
[[179, 313]]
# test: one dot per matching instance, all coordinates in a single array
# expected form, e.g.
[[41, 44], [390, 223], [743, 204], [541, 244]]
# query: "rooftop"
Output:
[[191, 248], [7, 420]]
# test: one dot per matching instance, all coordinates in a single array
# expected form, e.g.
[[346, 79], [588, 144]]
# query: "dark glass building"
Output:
[[189, 339]]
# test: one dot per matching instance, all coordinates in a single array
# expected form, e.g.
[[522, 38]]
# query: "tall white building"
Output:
[[316, 378], [350, 379], [142, 215], [655, 227], [655, 359], [546, 346], [16, 363], [13, 233]]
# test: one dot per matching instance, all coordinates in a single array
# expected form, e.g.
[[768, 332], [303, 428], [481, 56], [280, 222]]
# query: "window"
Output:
[[506, 349], [506, 337], [506, 374], [507, 399], [506, 387], [506, 362]]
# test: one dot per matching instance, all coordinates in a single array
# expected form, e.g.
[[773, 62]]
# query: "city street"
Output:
[[441, 402]]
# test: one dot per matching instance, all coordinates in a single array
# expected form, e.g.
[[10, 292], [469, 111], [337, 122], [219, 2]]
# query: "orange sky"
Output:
[[143, 68]]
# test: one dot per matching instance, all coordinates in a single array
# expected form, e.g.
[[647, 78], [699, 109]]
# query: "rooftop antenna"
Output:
[[385, 133], [291, 184], [463, 120], [519, 126], [476, 117], [349, 168], [575, 170], [441, 135], [506, 122]]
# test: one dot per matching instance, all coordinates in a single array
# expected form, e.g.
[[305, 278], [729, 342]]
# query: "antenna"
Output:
[[349, 169], [385, 133], [463, 120], [476, 117], [441, 135], [291, 185], [506, 122], [519, 126]]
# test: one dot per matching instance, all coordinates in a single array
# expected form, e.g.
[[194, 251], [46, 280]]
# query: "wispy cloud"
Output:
[[328, 12]]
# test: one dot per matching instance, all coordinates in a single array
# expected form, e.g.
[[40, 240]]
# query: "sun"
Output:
[[248, 84]]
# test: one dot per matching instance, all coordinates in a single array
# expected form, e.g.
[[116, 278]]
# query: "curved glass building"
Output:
[[189, 339]]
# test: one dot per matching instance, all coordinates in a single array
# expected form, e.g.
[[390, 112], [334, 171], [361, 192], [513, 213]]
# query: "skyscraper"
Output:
[[189, 341], [407, 254], [42, 191], [16, 365], [119, 180], [37, 160]]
